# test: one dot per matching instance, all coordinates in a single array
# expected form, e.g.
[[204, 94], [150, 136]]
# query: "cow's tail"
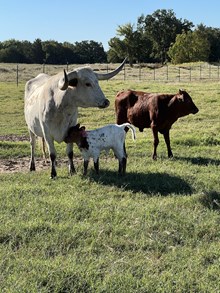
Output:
[[124, 125]]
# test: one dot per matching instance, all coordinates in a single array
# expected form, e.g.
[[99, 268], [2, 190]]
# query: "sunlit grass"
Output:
[[156, 229]]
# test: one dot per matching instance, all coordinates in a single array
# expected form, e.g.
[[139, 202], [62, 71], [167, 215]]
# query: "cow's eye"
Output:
[[88, 84]]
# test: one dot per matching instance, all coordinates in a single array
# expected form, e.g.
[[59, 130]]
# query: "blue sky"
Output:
[[97, 20]]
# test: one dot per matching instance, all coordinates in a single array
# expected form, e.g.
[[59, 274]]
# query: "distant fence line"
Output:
[[141, 72]]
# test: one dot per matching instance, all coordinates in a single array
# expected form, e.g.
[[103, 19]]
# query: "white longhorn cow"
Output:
[[51, 106]]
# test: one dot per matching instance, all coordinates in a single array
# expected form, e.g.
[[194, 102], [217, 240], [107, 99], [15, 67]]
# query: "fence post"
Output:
[[139, 71], [167, 73], [17, 75]]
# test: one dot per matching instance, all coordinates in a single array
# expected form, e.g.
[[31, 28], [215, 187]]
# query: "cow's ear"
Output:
[[180, 91], [73, 82], [82, 128], [77, 126], [180, 98]]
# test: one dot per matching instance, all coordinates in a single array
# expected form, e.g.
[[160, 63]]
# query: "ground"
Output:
[[22, 164]]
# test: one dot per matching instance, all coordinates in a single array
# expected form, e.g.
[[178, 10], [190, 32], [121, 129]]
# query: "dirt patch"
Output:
[[14, 137], [22, 164]]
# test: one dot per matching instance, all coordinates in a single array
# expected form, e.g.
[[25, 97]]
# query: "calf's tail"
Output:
[[130, 127]]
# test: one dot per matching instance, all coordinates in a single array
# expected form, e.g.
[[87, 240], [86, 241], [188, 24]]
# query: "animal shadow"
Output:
[[151, 184], [211, 200], [200, 161]]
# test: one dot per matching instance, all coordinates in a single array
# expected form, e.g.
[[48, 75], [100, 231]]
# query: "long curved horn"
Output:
[[63, 83], [104, 76]]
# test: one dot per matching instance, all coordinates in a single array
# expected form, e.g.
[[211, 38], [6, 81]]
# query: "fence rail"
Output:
[[155, 72]]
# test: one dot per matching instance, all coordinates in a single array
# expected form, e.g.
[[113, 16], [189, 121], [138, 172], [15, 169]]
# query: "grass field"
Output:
[[154, 230]]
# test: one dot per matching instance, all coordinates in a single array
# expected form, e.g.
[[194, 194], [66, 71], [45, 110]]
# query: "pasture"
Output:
[[154, 230]]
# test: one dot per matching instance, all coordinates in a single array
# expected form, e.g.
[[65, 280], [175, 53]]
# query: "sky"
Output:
[[97, 20]]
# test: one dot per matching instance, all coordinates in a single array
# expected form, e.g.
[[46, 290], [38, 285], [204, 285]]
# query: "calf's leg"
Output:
[[69, 151], [96, 165], [122, 165], [85, 166]]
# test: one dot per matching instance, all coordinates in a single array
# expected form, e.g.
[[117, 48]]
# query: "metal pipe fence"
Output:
[[150, 72]]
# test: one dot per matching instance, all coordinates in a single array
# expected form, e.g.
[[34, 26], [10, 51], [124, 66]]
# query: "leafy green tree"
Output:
[[90, 52], [161, 28], [213, 36], [130, 43], [190, 47], [38, 52], [117, 50]]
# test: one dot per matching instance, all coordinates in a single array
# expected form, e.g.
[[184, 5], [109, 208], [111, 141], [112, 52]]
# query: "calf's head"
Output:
[[77, 135]]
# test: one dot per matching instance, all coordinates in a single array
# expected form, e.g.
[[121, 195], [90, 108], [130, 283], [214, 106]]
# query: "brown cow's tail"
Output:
[[124, 125]]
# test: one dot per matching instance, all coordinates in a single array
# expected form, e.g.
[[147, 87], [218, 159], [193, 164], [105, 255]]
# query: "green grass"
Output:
[[154, 230]]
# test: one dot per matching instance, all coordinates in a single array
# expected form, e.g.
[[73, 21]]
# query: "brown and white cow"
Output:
[[157, 111], [51, 106]]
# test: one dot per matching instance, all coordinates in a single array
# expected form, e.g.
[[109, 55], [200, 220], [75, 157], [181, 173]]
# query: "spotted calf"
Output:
[[92, 142]]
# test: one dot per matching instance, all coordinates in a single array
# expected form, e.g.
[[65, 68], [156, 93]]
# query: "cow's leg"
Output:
[[85, 166], [52, 153], [69, 151], [33, 143], [167, 140], [156, 140]]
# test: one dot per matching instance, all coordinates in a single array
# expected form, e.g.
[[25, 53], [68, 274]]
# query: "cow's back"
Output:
[[35, 83], [133, 107]]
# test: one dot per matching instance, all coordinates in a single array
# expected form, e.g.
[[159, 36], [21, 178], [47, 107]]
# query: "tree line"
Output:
[[158, 37]]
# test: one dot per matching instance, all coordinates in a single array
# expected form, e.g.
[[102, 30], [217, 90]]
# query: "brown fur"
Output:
[[152, 110]]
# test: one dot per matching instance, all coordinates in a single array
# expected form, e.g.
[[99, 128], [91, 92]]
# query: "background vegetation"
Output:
[[159, 37], [154, 230]]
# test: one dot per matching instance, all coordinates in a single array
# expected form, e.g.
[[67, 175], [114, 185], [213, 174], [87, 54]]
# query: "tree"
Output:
[[90, 52], [213, 36], [131, 44], [38, 52], [190, 47], [161, 28]]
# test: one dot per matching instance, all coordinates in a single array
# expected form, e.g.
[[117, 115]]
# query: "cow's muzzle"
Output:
[[105, 104], [195, 110]]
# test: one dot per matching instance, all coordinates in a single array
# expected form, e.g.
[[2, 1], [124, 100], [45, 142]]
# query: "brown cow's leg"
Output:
[[167, 140], [156, 141]]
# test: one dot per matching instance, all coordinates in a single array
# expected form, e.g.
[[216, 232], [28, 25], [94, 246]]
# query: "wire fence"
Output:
[[20, 73]]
